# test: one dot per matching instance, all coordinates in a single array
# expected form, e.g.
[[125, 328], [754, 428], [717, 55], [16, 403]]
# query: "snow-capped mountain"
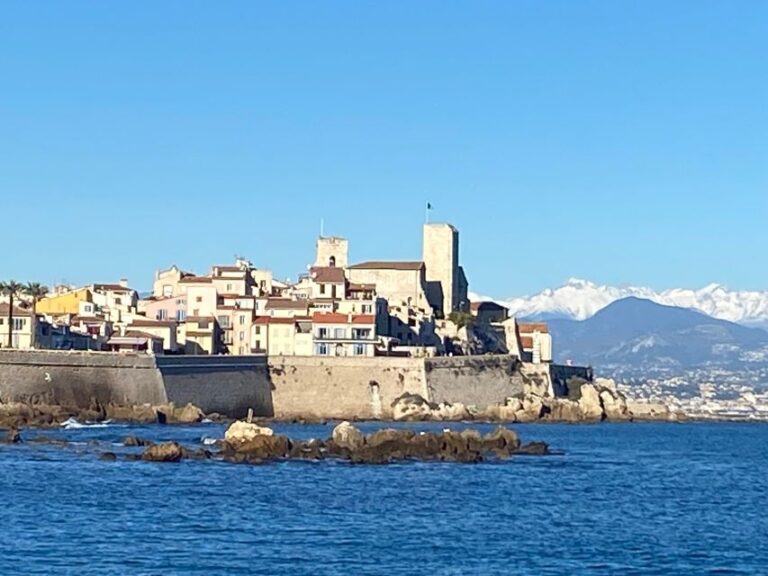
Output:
[[580, 299]]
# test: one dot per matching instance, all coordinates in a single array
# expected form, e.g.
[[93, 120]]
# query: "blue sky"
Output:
[[624, 142]]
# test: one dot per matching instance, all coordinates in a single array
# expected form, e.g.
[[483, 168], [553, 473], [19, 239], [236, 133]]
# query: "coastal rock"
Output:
[[411, 407], [135, 441], [614, 405], [12, 437], [590, 404], [534, 449], [506, 412], [533, 409], [165, 452], [347, 436], [450, 412], [260, 447], [242, 431], [108, 456], [564, 410], [502, 438], [649, 411], [189, 414]]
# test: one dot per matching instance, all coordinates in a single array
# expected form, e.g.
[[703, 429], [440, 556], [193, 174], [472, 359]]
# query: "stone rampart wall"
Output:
[[473, 380], [316, 387], [228, 385], [74, 378]]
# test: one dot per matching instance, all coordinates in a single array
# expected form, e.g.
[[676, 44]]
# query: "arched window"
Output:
[[332, 261]]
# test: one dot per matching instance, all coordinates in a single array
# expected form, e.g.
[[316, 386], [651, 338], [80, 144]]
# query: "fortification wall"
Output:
[[225, 384], [228, 385], [311, 386], [473, 380], [73, 378]]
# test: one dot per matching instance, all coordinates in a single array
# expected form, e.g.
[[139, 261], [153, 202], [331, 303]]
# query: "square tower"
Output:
[[332, 251], [444, 276]]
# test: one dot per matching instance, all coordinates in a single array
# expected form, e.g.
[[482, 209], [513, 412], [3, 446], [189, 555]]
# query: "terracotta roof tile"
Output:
[[327, 275]]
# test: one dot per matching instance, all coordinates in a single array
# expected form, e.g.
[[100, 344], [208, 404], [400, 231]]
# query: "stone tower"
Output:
[[332, 251], [446, 284]]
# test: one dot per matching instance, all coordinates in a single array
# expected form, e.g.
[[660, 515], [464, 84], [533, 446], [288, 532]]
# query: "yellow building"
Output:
[[66, 303]]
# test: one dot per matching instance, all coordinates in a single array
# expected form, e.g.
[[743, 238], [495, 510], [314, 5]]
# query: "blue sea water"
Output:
[[621, 499]]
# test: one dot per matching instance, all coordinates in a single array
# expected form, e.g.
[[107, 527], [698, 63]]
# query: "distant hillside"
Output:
[[580, 299], [634, 332]]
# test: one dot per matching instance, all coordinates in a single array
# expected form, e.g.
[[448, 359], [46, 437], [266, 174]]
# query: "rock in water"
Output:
[[502, 438], [135, 441], [189, 414], [242, 431], [347, 436], [12, 437], [165, 452]]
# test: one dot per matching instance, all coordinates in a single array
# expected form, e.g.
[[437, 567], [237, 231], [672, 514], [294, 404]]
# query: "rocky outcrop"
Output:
[[347, 436], [383, 446], [165, 452], [241, 431], [189, 414], [414, 408]]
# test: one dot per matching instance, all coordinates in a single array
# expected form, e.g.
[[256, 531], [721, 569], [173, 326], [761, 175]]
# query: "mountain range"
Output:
[[637, 333], [580, 299]]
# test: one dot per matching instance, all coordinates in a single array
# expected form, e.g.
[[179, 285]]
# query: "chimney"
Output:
[[124, 282]]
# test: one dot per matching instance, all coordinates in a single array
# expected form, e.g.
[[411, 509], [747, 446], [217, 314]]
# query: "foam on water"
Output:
[[74, 424]]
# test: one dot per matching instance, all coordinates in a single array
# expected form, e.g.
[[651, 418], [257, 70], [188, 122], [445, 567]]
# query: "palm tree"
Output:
[[34, 290], [11, 289]]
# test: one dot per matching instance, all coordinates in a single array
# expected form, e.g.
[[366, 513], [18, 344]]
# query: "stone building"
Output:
[[446, 283]]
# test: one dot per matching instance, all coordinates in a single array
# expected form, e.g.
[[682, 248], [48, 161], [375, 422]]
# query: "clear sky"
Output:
[[619, 141]]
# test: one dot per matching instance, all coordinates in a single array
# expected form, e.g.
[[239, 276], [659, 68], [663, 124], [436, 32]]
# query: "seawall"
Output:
[[279, 386], [225, 384]]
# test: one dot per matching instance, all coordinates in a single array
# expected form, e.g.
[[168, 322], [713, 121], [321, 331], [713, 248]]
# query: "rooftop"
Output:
[[327, 275]]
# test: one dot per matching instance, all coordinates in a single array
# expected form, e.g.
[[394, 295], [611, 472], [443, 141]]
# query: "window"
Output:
[[258, 331], [118, 301], [323, 349], [223, 321], [361, 333], [340, 333], [162, 314], [203, 325], [333, 291], [367, 309], [181, 315], [257, 344], [322, 288], [322, 332], [199, 299], [242, 319], [87, 308], [242, 335], [196, 312], [359, 350], [229, 288], [18, 323]]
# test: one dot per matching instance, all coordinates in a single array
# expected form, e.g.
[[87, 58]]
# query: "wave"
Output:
[[209, 441], [74, 424]]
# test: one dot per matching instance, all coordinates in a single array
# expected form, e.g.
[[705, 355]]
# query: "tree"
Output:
[[11, 289], [34, 290]]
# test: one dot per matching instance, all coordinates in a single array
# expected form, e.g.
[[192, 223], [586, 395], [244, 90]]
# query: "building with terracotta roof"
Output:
[[344, 334]]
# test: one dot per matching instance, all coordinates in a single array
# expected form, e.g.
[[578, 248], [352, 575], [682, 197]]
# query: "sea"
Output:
[[633, 498]]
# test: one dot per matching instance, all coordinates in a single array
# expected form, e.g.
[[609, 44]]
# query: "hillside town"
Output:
[[336, 308]]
